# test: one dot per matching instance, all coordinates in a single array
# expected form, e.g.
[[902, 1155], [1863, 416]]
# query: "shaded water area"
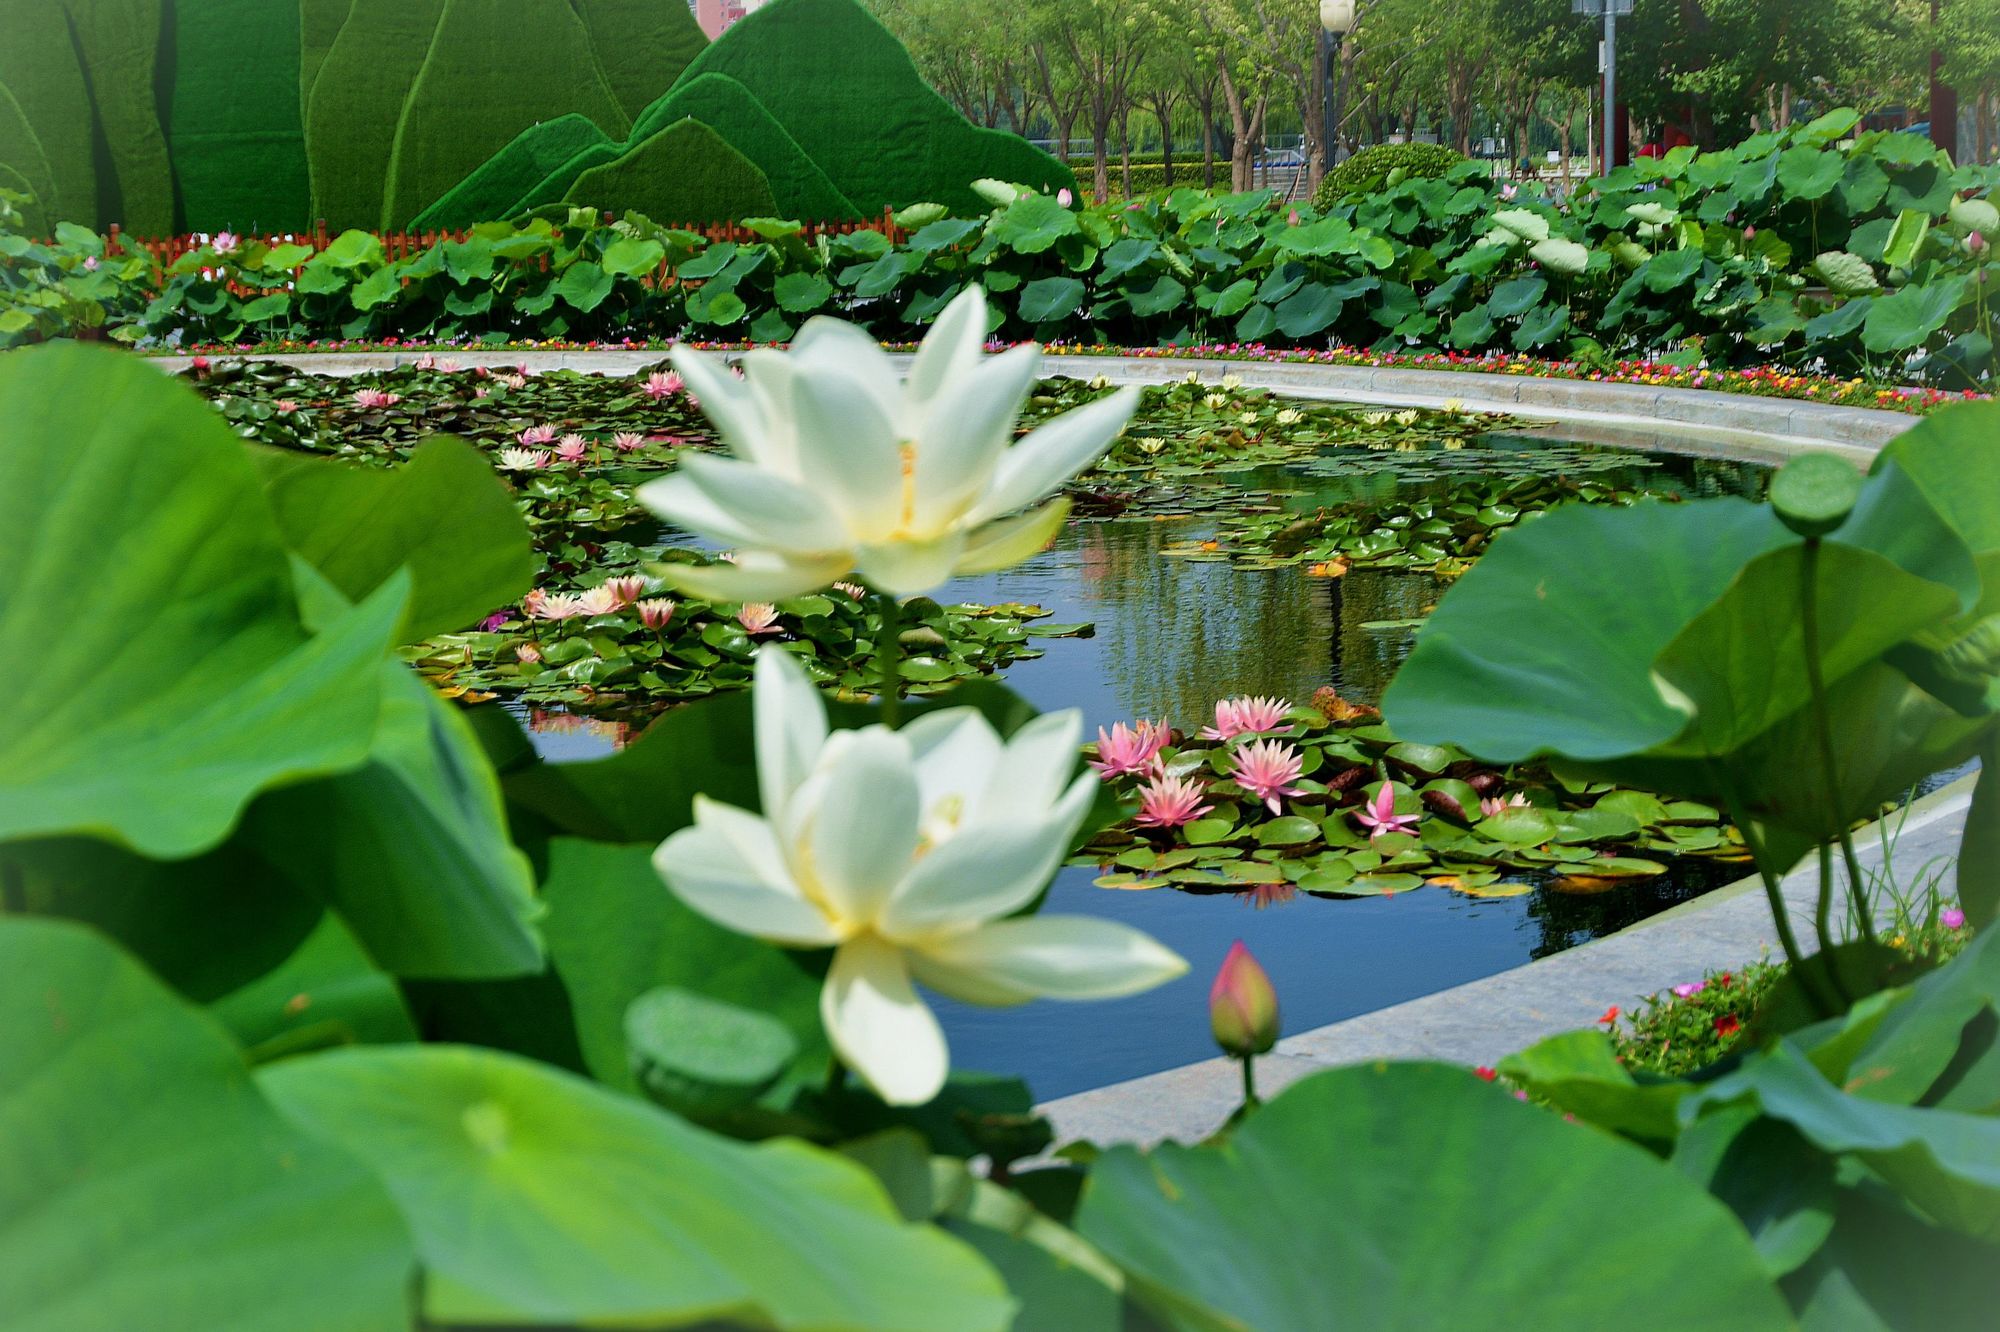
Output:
[[1172, 635]]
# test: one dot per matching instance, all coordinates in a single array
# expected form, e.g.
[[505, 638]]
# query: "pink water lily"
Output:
[[553, 606], [1124, 750], [572, 448], [514, 381], [1379, 815], [1265, 768], [1169, 802], [535, 437], [1492, 805], [1248, 716], [527, 654], [628, 441], [286, 406], [523, 460], [662, 385], [426, 362], [627, 589], [369, 399], [758, 617], [656, 613], [855, 590], [226, 241], [600, 600]]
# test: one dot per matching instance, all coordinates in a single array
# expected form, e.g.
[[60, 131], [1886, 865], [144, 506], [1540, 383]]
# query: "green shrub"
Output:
[[1372, 168]]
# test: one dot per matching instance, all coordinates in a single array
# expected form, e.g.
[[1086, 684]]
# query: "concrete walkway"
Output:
[[1628, 415], [1483, 1022]]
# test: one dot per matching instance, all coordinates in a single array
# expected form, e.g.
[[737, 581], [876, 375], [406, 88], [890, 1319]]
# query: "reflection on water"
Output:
[[1172, 636]]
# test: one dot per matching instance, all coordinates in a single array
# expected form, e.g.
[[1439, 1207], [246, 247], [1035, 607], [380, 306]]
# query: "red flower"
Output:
[[1610, 1015], [1727, 1025], [1485, 1074]]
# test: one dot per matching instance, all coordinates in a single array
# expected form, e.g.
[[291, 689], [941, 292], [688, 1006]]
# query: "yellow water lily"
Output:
[[841, 467], [908, 852]]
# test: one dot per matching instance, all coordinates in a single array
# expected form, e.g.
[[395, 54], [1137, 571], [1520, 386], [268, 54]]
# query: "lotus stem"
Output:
[[1780, 915], [889, 647], [1829, 767], [1250, 1101]]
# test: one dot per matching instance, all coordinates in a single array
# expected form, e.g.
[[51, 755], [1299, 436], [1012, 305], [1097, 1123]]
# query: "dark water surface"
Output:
[[1172, 636]]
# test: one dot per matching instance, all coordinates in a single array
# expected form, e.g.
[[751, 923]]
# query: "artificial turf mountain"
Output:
[[211, 115]]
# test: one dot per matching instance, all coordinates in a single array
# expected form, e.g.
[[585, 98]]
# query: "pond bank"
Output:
[[1484, 1021]]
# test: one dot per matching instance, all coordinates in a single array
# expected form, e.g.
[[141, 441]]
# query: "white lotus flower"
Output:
[[841, 467], [906, 851]]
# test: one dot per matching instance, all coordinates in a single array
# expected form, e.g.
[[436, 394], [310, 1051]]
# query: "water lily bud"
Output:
[[1975, 243], [1242, 1006]]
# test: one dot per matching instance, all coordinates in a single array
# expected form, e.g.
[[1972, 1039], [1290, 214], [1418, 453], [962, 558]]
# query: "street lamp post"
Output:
[[1610, 11], [1336, 20]]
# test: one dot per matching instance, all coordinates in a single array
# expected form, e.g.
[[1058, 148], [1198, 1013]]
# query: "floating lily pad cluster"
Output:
[[617, 655], [1446, 821], [1380, 527]]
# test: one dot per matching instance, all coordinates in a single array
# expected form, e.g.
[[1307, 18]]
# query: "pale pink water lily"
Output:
[[855, 590], [627, 589], [449, 366], [535, 437], [1689, 989], [1169, 802], [371, 399], [553, 606], [628, 441], [1248, 716], [661, 384], [656, 613], [846, 466], [426, 362], [523, 460], [910, 853], [514, 381], [527, 654], [572, 448], [286, 406], [758, 617], [1379, 815], [90, 263], [1124, 750], [226, 242], [1266, 769], [482, 392], [1492, 805], [600, 600]]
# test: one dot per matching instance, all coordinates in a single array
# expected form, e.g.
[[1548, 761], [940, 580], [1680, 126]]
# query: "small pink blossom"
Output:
[[855, 590], [370, 399], [1975, 243], [426, 362], [1248, 716], [1125, 750], [1379, 815], [1064, 197], [493, 622], [527, 654], [226, 242], [628, 441], [90, 264], [1952, 918], [662, 384], [1689, 989], [656, 613], [758, 617], [1169, 802], [1493, 805], [286, 406], [534, 437], [514, 381], [572, 448], [1265, 768], [542, 605], [600, 600]]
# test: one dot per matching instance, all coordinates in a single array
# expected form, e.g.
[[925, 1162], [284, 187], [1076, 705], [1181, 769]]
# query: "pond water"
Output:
[[1172, 635]]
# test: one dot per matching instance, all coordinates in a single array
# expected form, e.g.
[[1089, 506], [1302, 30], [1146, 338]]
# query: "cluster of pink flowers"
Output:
[[1248, 716], [662, 384], [375, 399], [607, 598], [1129, 750]]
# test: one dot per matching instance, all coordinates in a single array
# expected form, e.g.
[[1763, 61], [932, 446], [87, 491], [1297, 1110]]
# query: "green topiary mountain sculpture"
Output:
[[39, 67], [684, 173], [233, 124]]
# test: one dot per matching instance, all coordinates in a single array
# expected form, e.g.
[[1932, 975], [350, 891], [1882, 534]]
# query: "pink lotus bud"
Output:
[[1065, 198], [1975, 243], [1242, 1006], [1750, 233]]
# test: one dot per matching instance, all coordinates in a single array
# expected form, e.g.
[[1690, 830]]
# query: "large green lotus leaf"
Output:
[[1885, 1270], [538, 1197], [444, 514], [1573, 606], [1580, 1072], [1414, 1196], [327, 992], [1740, 665], [1921, 1038], [412, 849], [1979, 851], [1949, 457], [615, 932], [1944, 1162], [158, 676], [144, 1182]]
